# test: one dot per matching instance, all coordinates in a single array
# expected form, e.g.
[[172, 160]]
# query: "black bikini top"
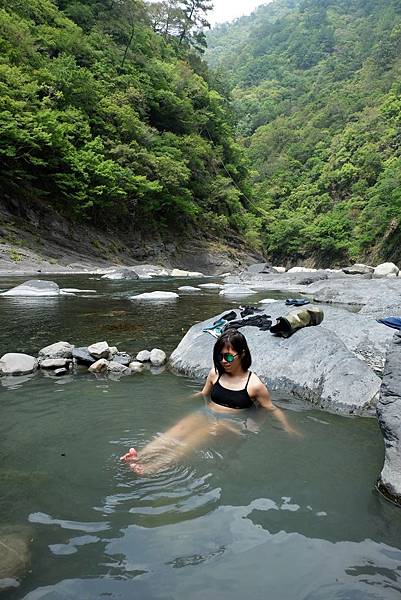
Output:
[[231, 398]]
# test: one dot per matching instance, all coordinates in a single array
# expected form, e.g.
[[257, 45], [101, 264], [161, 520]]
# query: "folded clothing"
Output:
[[263, 322]]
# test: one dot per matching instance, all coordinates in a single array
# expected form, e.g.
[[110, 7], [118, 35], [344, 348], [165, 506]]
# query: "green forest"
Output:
[[282, 129], [316, 95], [109, 115]]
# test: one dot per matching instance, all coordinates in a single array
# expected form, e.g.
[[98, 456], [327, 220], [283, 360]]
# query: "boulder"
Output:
[[123, 358], [14, 556], [100, 366], [236, 290], [386, 270], [55, 363], [99, 350], [136, 366], [358, 269], [314, 365], [57, 350], [189, 288], [388, 414], [258, 268], [181, 273], [82, 356], [13, 363], [157, 357], [113, 350], [155, 296], [34, 287], [211, 286], [279, 269], [143, 356], [120, 274], [118, 369]]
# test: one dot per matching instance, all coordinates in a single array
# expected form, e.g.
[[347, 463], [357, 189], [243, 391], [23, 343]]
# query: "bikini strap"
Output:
[[249, 376]]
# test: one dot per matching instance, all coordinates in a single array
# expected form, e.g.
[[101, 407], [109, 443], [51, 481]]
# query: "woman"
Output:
[[232, 390]]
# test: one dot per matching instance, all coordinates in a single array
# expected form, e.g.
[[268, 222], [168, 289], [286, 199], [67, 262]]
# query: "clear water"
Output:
[[260, 515]]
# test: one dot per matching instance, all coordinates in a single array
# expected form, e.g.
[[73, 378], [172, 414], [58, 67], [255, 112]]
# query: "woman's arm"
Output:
[[207, 388], [259, 392]]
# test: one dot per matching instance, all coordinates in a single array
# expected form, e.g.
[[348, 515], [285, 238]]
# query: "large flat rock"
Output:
[[389, 416], [314, 364]]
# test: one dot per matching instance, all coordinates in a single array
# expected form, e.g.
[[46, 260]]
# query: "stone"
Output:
[[157, 357], [14, 556], [156, 296], [99, 350], [189, 288], [279, 269], [123, 358], [181, 273], [358, 269], [100, 366], [136, 366], [315, 364], [14, 363], [117, 368], [34, 287], [386, 270], [57, 350], [267, 301], [59, 372], [236, 290], [143, 356], [82, 356], [388, 414], [113, 350], [258, 268], [211, 286], [120, 274], [55, 363], [75, 290], [301, 270]]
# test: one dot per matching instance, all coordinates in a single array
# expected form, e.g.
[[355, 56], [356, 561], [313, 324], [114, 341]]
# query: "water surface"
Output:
[[261, 515]]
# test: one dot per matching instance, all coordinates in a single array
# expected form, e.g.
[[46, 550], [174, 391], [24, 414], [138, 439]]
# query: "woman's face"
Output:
[[233, 357]]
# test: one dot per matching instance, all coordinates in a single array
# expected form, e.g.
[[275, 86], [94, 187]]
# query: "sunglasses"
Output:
[[228, 357]]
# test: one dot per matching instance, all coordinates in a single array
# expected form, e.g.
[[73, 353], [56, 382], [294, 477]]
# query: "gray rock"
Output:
[[156, 295], [99, 350], [14, 556], [55, 363], [143, 356], [258, 268], [117, 368], [358, 269], [123, 358], [57, 350], [314, 364], [13, 363], [100, 366], [388, 414], [82, 356], [157, 357], [387, 269], [34, 287], [60, 372], [189, 288], [120, 274], [136, 367], [236, 290]]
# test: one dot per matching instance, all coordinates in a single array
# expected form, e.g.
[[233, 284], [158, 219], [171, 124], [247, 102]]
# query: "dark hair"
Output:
[[235, 339]]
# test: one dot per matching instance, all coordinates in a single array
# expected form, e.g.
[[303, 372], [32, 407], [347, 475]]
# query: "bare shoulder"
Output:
[[212, 375], [255, 382]]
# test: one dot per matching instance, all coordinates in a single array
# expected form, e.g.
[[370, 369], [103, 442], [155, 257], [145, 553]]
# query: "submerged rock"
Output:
[[34, 287], [14, 363], [189, 288], [14, 556], [388, 414]]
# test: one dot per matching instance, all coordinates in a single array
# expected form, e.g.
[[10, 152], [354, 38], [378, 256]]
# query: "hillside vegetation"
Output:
[[109, 115], [316, 90]]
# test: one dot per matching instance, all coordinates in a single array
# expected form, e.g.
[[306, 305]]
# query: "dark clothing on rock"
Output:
[[261, 321], [249, 310], [296, 302]]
